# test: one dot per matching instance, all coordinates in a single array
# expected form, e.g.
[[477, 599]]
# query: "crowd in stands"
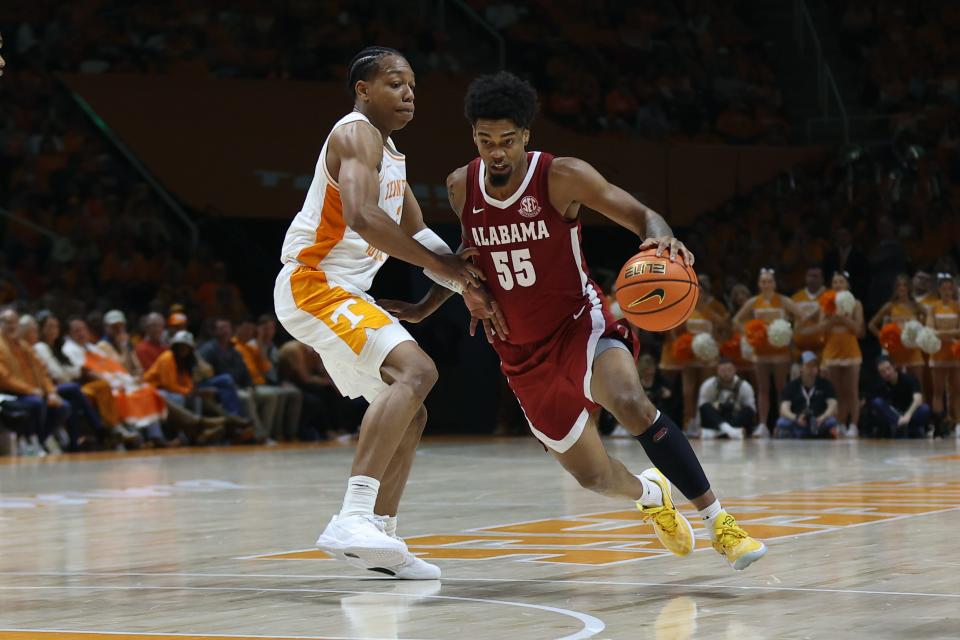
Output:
[[105, 388], [691, 70]]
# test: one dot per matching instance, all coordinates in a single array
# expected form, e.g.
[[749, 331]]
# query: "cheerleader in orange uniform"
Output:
[[944, 318], [771, 361], [710, 317], [807, 336], [900, 310], [842, 357]]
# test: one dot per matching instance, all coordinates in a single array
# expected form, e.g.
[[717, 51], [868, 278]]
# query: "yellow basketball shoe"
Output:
[[672, 528], [733, 543]]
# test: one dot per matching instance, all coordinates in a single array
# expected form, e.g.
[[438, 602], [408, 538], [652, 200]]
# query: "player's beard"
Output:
[[500, 179]]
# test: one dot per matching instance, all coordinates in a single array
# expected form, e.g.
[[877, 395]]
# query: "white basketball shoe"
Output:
[[362, 543]]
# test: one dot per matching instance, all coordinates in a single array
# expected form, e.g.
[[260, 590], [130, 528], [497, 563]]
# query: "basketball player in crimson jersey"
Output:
[[564, 355]]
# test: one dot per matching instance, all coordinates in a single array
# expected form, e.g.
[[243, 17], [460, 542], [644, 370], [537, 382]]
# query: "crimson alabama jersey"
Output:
[[529, 253]]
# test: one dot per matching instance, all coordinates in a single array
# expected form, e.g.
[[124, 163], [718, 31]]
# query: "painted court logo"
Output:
[[529, 207], [615, 537]]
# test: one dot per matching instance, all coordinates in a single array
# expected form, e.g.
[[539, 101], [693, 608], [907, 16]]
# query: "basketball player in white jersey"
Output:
[[359, 210]]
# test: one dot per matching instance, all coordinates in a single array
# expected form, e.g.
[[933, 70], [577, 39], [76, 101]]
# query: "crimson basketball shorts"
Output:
[[551, 378]]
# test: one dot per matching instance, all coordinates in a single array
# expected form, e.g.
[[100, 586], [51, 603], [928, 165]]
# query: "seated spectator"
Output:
[[153, 343], [70, 391], [24, 376], [898, 403], [256, 356], [809, 404], [59, 367], [727, 404], [116, 342], [324, 409], [172, 374], [139, 405], [223, 356]]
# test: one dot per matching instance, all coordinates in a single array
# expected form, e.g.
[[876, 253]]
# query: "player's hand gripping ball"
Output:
[[656, 294]]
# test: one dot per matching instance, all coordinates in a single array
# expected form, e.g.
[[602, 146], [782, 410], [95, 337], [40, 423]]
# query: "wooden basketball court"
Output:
[[217, 544]]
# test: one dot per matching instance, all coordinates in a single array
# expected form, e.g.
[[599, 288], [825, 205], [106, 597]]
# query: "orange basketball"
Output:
[[656, 294]]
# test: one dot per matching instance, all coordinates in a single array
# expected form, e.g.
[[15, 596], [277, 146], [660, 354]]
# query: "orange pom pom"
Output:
[[828, 302], [956, 349], [730, 349], [756, 332], [683, 348], [890, 338]]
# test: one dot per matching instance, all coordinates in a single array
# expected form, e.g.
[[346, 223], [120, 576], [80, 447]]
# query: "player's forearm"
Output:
[[376, 227], [434, 299], [654, 225]]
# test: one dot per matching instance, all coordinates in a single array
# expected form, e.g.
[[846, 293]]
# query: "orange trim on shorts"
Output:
[[330, 231], [347, 315]]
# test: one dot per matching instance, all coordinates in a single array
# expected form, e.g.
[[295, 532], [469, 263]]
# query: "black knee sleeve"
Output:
[[669, 450]]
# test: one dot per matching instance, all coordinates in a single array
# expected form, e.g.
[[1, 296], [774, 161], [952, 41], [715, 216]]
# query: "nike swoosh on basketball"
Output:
[[656, 293], [478, 210], [579, 313]]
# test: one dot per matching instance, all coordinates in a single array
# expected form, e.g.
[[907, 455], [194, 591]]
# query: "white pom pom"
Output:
[[779, 333], [745, 349], [909, 334], [928, 341], [845, 303], [705, 347]]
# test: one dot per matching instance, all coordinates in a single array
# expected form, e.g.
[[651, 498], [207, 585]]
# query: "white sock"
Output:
[[361, 496], [390, 526], [652, 495], [725, 424], [709, 515]]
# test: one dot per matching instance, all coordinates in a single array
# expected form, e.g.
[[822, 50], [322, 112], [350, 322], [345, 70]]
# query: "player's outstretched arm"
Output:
[[359, 149], [480, 303], [573, 180]]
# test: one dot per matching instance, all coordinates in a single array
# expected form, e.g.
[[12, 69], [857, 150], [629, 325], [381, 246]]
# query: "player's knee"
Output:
[[420, 375], [634, 409]]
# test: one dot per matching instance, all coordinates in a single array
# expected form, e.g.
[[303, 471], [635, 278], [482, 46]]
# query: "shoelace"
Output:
[[663, 516], [730, 533]]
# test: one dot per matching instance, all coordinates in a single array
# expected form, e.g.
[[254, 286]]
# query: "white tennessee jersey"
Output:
[[319, 237]]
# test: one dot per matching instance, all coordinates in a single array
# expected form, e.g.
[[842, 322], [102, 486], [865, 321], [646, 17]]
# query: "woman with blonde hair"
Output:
[[944, 318], [770, 362], [841, 353], [899, 310]]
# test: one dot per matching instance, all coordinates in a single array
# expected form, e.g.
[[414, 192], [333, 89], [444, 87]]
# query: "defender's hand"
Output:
[[458, 268], [406, 311]]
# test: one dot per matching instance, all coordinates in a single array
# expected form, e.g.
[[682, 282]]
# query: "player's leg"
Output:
[[615, 384], [398, 469], [588, 462], [412, 374]]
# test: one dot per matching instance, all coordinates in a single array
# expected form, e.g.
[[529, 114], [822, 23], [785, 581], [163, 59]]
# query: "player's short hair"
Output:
[[366, 64], [501, 96]]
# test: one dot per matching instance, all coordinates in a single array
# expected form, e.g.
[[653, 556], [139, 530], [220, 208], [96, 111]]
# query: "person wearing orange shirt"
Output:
[[24, 376], [842, 357], [286, 423], [900, 310], [769, 305]]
